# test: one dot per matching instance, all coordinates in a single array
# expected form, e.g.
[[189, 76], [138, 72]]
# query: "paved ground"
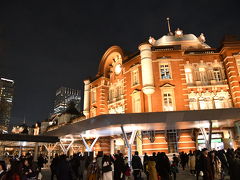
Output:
[[182, 175]]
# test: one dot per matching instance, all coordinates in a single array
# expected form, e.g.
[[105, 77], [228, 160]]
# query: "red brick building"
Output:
[[174, 73]]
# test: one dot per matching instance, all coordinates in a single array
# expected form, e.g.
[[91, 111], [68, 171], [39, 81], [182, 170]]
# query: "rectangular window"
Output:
[[135, 77], [206, 103], [189, 75], [193, 104], [172, 141], [165, 71], [136, 103], [168, 101], [111, 94], [93, 95], [217, 74]]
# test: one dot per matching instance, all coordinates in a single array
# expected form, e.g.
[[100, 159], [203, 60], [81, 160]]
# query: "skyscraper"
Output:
[[6, 99], [64, 96]]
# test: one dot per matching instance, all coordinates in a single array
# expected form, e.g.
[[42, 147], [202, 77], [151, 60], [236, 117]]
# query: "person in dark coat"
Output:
[[40, 162], [184, 159], [145, 163], [198, 164], [27, 170], [53, 166], [163, 166], [206, 166], [119, 167], [63, 169], [137, 166], [175, 160]]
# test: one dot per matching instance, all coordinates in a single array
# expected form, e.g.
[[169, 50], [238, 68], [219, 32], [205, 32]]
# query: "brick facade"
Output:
[[200, 78]]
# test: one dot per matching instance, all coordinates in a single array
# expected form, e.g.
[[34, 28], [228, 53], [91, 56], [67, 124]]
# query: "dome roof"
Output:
[[187, 41], [169, 39]]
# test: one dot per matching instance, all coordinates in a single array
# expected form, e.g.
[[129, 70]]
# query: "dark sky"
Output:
[[59, 43]]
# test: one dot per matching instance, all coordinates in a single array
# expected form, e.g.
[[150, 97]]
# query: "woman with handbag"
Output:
[[107, 168]]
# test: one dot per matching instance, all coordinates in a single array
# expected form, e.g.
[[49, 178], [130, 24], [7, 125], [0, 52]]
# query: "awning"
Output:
[[110, 124]]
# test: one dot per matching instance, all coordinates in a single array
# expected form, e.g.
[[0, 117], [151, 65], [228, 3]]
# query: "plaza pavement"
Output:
[[182, 175]]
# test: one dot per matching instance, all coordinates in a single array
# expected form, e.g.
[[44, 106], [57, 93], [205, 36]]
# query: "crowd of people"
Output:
[[21, 168], [209, 165]]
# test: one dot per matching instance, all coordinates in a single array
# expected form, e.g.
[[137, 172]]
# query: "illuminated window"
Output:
[[217, 74], [93, 95], [203, 75], [135, 77], [206, 103], [119, 92], [219, 103], [189, 75], [136, 103], [117, 110], [168, 101], [165, 71], [111, 94], [193, 104]]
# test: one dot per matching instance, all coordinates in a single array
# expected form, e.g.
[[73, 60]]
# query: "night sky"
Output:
[[49, 44]]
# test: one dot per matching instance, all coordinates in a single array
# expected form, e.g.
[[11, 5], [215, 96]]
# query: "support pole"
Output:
[[129, 143], [210, 135], [89, 149], [35, 156], [49, 149]]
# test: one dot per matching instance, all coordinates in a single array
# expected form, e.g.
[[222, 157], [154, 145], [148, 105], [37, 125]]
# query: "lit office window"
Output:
[[165, 71]]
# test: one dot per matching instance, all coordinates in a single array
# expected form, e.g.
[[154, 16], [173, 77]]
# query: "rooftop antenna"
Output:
[[24, 119], [169, 27]]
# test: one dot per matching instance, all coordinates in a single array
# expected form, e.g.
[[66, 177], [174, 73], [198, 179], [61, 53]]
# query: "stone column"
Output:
[[86, 105], [147, 72], [147, 80]]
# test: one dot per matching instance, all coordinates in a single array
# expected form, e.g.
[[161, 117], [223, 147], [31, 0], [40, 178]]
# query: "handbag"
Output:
[[107, 168], [201, 173]]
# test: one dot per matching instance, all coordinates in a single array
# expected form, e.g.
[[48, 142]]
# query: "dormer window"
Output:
[[178, 33]]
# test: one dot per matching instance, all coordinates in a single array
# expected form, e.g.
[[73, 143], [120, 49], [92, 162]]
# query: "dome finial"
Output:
[[169, 27]]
